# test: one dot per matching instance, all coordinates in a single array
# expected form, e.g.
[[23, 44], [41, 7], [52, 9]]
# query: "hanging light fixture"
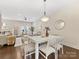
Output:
[[45, 18]]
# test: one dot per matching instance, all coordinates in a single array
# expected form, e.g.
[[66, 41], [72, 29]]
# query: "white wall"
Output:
[[70, 15], [0, 21]]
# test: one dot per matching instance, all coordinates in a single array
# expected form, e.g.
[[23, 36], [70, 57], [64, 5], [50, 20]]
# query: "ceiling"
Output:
[[32, 9]]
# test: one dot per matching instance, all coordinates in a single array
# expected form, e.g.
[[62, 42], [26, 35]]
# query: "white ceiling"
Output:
[[32, 9]]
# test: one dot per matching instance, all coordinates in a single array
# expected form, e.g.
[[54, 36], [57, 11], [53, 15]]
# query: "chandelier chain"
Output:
[[44, 7]]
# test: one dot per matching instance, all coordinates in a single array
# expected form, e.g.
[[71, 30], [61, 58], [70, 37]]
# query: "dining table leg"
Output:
[[36, 51], [56, 54]]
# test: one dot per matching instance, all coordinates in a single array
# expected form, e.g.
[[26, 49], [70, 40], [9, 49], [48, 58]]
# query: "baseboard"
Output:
[[71, 45]]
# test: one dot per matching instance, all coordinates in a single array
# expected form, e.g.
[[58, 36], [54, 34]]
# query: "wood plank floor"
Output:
[[15, 53]]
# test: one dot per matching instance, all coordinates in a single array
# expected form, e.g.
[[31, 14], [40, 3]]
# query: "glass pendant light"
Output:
[[45, 18]]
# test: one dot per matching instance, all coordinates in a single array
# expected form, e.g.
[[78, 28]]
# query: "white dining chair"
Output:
[[47, 50], [57, 43], [54, 45], [28, 48]]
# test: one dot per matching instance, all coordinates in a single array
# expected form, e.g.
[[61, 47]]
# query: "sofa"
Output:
[[9, 40], [3, 40]]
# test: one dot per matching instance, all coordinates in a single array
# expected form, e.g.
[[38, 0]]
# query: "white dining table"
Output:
[[38, 40]]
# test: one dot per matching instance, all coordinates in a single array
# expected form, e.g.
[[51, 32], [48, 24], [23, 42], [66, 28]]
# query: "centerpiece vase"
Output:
[[47, 34]]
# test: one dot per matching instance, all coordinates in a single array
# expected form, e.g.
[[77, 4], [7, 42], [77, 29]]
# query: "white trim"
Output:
[[71, 45]]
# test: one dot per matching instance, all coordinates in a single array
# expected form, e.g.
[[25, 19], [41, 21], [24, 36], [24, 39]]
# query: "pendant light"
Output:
[[45, 18]]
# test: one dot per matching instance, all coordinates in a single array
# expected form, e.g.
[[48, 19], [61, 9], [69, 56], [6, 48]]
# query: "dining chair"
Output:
[[53, 45], [28, 47], [57, 43], [46, 49]]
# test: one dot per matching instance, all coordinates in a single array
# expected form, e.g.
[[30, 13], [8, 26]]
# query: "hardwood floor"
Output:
[[15, 53], [10, 53], [69, 53]]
